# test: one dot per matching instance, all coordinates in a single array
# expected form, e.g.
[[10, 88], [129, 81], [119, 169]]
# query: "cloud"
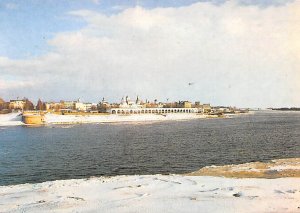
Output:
[[11, 6], [96, 1], [8, 85], [236, 55], [265, 3]]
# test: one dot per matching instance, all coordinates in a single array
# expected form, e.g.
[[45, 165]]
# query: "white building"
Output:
[[127, 103], [129, 107], [152, 110], [80, 106]]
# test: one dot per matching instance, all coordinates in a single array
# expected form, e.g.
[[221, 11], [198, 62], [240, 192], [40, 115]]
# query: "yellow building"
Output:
[[68, 105], [16, 104], [52, 106], [182, 104], [187, 104]]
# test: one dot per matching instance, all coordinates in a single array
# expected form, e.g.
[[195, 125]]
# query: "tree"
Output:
[[57, 107], [2, 103], [28, 105], [94, 108], [40, 105]]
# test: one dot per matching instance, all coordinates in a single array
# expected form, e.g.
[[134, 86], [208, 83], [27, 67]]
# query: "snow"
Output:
[[11, 119], [163, 193], [51, 118], [63, 119], [15, 119], [154, 193]]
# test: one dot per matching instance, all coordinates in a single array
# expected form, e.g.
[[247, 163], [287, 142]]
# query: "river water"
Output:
[[37, 154]]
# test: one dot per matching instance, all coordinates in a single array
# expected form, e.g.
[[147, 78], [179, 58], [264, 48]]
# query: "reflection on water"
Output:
[[76, 151]]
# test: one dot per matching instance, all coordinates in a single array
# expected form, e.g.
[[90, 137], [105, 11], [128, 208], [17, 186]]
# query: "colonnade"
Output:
[[152, 110]]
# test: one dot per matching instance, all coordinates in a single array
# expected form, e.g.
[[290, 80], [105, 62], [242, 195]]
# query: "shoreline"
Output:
[[15, 119], [272, 169], [160, 193]]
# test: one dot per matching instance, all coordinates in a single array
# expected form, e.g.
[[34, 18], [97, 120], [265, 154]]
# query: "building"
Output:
[[152, 110], [16, 104], [185, 104], [222, 109], [103, 106], [151, 105], [206, 108], [127, 103], [199, 106], [69, 104], [88, 106], [130, 107], [80, 106], [53, 106]]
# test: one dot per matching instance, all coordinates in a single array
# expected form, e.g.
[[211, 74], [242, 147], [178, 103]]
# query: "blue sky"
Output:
[[234, 51], [28, 24]]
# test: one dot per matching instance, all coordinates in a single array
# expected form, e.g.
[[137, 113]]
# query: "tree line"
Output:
[[28, 105]]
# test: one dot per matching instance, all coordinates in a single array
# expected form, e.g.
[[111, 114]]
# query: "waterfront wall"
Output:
[[33, 119]]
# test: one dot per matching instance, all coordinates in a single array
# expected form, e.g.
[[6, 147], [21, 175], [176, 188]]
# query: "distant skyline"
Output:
[[243, 53]]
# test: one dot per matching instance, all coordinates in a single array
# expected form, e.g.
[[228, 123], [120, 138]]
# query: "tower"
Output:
[[137, 100]]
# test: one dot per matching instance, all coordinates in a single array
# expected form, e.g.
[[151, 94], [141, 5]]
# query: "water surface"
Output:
[[62, 152]]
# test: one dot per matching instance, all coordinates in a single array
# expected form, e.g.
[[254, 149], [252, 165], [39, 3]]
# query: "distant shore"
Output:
[[165, 193], [292, 109]]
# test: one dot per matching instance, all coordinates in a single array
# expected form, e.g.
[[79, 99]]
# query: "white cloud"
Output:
[[236, 55], [13, 84], [96, 1], [11, 6]]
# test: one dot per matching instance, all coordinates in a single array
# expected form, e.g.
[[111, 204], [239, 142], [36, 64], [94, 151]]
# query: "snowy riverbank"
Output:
[[156, 193], [14, 119], [63, 119], [11, 119]]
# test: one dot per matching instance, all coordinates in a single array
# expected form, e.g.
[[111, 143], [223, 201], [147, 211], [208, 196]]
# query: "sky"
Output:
[[243, 53]]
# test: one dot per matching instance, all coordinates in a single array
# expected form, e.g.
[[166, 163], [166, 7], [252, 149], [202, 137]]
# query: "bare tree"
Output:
[[28, 104], [40, 105]]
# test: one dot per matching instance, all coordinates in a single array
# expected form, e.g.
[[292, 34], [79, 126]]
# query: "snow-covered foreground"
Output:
[[11, 119], [154, 193]]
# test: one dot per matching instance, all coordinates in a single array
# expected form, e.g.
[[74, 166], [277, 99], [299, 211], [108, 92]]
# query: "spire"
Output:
[[137, 100]]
